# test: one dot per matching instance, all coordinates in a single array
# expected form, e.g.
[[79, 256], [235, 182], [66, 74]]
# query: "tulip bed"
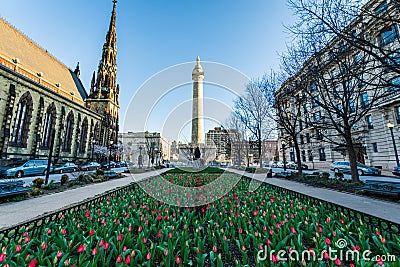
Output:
[[132, 228]]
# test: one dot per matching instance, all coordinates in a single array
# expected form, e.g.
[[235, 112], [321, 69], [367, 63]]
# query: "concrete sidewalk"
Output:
[[17, 212], [379, 208]]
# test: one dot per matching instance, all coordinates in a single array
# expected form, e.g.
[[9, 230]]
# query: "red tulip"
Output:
[[49, 232], [128, 259], [327, 241], [293, 230], [159, 234], [379, 261], [119, 237], [170, 235], [44, 246], [144, 240], [326, 255], [106, 245], [338, 262], [119, 258], [32, 263], [101, 243], [320, 229], [178, 260], [63, 231], [27, 239], [275, 258], [17, 248], [383, 240], [159, 217], [81, 248], [2, 257], [214, 248], [91, 232]]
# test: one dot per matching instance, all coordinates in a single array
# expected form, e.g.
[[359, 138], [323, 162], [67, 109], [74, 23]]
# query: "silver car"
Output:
[[344, 166], [22, 168]]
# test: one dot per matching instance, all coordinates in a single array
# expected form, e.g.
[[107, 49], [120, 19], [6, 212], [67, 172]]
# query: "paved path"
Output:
[[16, 212], [382, 209]]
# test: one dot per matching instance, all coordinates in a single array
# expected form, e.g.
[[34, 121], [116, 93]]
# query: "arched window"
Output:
[[84, 131], [48, 125], [69, 129], [22, 121]]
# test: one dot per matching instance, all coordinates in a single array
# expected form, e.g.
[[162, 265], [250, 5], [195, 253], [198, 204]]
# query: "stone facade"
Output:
[[371, 135], [197, 112], [153, 147], [43, 103]]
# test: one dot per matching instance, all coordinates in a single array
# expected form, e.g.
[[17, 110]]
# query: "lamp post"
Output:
[[109, 155], [283, 144], [391, 126], [93, 143]]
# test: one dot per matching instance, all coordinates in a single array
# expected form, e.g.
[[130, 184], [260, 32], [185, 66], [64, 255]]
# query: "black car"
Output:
[[90, 166], [396, 170], [105, 164]]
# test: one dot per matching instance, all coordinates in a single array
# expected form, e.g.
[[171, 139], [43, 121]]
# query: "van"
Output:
[[20, 169]]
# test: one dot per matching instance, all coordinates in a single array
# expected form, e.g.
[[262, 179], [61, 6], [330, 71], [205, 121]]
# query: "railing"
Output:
[[36, 226], [16, 67]]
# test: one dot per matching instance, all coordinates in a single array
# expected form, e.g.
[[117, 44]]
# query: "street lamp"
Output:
[[93, 143], [283, 144], [109, 155], [391, 126]]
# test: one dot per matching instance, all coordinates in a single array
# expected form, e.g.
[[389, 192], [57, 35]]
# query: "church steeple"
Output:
[[107, 71], [104, 91]]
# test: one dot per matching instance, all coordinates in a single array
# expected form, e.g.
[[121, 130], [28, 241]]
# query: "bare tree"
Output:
[[255, 111], [237, 138], [348, 72], [288, 104]]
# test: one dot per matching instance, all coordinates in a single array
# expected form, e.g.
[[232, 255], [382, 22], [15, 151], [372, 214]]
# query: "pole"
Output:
[[394, 146], [284, 158], [53, 134]]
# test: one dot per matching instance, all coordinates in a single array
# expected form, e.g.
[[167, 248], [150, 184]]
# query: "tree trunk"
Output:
[[297, 148], [352, 157]]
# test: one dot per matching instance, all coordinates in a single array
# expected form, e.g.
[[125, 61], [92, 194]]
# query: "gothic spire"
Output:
[[107, 71]]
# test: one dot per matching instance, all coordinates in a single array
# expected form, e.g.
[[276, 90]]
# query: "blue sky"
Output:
[[155, 34]]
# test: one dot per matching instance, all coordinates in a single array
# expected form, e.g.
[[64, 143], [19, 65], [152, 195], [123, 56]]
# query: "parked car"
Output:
[[121, 163], [303, 166], [105, 164], [22, 168], [273, 164], [65, 167], [279, 164], [396, 170], [90, 166], [344, 166], [291, 165]]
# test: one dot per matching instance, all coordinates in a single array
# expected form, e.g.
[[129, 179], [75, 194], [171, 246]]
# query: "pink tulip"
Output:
[[2, 257], [327, 241], [32, 263], [148, 256], [293, 230], [128, 259], [106, 245], [178, 260], [338, 262], [119, 258], [94, 251], [17, 248], [44, 246], [59, 254], [81, 248], [165, 252]]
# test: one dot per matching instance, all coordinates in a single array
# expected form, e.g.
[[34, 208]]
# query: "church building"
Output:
[[44, 105]]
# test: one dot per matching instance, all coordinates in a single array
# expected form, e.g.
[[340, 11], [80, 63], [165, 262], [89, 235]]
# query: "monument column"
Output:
[[197, 109]]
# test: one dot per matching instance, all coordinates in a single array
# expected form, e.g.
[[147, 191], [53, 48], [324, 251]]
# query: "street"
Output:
[[56, 177]]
